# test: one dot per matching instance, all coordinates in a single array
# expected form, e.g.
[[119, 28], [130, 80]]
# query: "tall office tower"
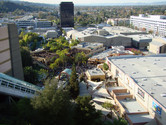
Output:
[[10, 56], [67, 14]]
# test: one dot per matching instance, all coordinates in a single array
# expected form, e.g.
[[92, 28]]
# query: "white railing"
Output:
[[15, 89]]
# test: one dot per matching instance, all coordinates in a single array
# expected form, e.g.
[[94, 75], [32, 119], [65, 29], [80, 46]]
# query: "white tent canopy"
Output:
[[94, 85], [102, 92]]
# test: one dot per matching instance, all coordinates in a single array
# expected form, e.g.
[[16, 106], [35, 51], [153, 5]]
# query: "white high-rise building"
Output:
[[154, 23]]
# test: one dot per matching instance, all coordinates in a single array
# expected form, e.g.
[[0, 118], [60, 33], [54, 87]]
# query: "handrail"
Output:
[[17, 87]]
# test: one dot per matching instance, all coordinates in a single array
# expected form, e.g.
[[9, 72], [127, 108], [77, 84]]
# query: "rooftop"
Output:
[[132, 106], [140, 37], [68, 71], [95, 71], [87, 45], [120, 29], [149, 72], [108, 52], [140, 118]]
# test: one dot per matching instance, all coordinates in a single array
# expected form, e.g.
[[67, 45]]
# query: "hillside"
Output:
[[8, 6]]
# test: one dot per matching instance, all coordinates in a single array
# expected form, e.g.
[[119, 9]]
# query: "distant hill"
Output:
[[9, 6], [124, 4]]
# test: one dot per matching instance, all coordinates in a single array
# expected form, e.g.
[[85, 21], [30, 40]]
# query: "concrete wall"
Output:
[[5, 59], [17, 70], [154, 49], [142, 44], [118, 41], [94, 39]]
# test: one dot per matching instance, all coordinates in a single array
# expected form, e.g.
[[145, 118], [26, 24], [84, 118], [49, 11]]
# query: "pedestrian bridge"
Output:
[[18, 88]]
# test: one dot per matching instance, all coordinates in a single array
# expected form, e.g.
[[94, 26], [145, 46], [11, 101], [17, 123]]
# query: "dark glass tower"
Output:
[[66, 14]]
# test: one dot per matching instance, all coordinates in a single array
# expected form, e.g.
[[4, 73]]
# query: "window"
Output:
[[17, 87], [141, 93], [28, 90], [32, 91], [22, 89], [4, 83], [10, 85]]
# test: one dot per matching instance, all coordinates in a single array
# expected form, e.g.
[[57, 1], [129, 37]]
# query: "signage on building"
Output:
[[156, 108], [141, 93]]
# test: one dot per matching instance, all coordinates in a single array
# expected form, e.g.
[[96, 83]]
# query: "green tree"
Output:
[[109, 106], [80, 58], [23, 112], [105, 66], [86, 113], [120, 121], [73, 81], [26, 57], [74, 42], [30, 75], [54, 106]]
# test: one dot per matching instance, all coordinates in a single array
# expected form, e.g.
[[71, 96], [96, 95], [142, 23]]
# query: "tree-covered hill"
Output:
[[8, 6]]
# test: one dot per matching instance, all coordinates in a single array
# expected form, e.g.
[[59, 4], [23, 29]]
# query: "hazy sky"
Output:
[[93, 1]]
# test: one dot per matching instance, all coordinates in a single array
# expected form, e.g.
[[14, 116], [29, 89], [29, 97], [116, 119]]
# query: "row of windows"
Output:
[[17, 87]]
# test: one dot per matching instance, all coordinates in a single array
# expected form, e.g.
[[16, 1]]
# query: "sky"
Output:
[[93, 1]]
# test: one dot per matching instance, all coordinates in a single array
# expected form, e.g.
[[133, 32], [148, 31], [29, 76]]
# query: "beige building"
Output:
[[88, 48], [95, 74], [144, 78], [158, 45], [10, 57]]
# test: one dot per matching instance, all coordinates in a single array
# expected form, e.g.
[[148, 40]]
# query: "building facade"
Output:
[[43, 24], [67, 14], [10, 57], [25, 23], [88, 48], [144, 78], [153, 23]]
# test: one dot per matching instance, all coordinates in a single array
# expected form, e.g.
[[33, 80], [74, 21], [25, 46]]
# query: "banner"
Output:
[[156, 108]]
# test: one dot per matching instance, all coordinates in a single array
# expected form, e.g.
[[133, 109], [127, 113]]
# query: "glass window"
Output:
[[141, 93]]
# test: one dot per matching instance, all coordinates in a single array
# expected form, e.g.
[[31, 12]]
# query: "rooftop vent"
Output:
[[144, 79], [163, 95], [154, 63], [164, 69], [149, 70], [164, 80], [133, 64]]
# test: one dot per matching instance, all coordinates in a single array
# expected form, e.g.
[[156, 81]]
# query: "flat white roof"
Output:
[[140, 37], [140, 118], [149, 72], [132, 106], [95, 72], [120, 29]]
